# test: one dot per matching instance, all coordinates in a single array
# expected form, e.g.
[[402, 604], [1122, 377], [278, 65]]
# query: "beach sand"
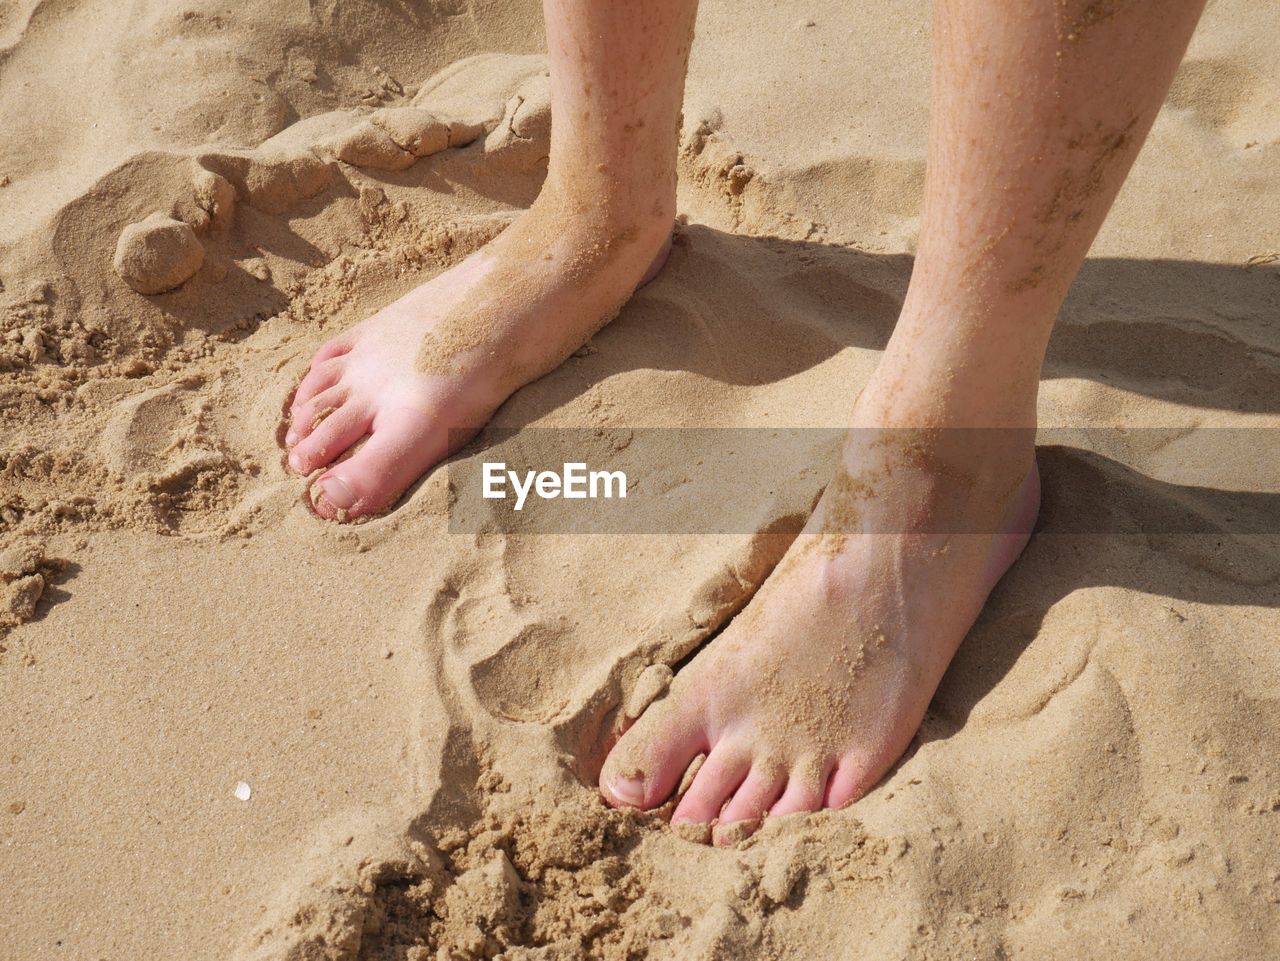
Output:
[[419, 715]]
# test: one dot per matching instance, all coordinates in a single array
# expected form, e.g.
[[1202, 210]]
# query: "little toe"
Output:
[[646, 765], [726, 835], [724, 771], [758, 793], [805, 792], [330, 438], [332, 348], [402, 446]]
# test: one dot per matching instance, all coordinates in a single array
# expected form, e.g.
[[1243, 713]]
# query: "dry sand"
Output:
[[420, 715]]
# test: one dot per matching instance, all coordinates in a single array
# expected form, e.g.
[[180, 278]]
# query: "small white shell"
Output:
[[243, 791]]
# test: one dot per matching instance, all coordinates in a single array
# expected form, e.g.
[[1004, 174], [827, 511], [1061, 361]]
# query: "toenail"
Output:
[[295, 461], [290, 438], [337, 493], [628, 790]]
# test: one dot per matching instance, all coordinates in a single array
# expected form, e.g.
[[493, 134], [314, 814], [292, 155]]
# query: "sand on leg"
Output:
[[410, 381], [808, 697]]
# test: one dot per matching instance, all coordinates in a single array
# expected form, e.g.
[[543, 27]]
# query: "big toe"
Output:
[[646, 765], [401, 447]]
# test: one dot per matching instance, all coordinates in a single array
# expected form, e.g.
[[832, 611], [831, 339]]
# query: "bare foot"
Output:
[[812, 693], [406, 384]]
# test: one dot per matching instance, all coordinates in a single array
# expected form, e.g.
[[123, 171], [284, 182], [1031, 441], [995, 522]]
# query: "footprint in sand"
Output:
[[160, 444], [142, 429], [528, 666], [533, 674]]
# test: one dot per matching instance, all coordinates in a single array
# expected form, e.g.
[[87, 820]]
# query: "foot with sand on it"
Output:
[[402, 390]]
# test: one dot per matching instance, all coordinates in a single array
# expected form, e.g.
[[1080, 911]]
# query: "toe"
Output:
[[723, 773], [319, 378], [330, 438], [331, 349], [403, 444], [850, 781], [805, 792], [646, 765], [752, 801], [307, 415]]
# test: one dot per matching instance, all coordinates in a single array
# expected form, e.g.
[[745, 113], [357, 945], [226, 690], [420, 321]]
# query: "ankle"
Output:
[[928, 392], [951, 364], [609, 218], [945, 406], [947, 434]]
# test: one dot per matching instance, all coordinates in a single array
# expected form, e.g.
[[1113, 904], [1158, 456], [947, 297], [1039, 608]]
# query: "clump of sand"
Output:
[[193, 198], [158, 254], [25, 573]]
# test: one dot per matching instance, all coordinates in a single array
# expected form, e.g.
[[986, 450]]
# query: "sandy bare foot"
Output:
[[409, 382], [812, 693]]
